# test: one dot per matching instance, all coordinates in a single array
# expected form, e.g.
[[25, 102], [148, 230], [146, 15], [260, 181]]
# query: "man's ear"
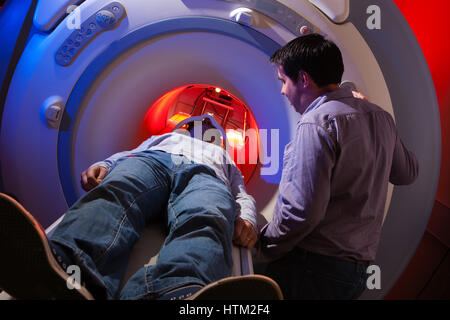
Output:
[[303, 79]]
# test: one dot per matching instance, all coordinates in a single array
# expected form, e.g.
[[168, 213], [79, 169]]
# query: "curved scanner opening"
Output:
[[230, 113]]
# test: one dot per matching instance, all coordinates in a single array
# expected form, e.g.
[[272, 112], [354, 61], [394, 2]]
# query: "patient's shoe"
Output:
[[28, 269], [249, 287]]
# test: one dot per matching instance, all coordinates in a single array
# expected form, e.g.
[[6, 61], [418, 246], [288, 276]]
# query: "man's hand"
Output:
[[244, 234], [92, 177]]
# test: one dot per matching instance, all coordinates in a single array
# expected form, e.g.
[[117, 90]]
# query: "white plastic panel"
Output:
[[336, 10]]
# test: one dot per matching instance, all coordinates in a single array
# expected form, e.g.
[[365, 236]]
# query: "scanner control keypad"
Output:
[[104, 19]]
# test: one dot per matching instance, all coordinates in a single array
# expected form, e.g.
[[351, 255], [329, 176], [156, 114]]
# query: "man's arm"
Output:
[[405, 167], [304, 192], [245, 224]]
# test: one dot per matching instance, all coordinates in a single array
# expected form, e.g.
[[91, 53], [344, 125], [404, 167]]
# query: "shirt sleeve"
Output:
[[304, 191], [109, 162], [246, 207], [405, 168]]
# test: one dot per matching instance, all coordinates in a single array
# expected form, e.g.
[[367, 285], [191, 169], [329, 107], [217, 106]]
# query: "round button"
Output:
[[304, 30]]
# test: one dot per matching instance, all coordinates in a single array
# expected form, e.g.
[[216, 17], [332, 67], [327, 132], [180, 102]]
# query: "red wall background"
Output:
[[428, 274]]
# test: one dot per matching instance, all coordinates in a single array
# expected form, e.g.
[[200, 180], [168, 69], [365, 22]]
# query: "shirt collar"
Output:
[[338, 94]]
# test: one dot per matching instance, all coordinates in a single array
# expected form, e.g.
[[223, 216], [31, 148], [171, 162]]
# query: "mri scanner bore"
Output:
[[183, 50], [231, 114]]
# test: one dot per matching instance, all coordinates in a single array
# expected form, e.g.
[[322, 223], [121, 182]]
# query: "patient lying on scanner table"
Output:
[[192, 185]]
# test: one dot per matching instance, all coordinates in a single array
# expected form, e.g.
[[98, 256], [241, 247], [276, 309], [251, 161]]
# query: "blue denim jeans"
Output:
[[100, 229], [304, 275]]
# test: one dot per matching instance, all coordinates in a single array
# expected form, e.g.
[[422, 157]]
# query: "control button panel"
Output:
[[280, 13], [104, 19]]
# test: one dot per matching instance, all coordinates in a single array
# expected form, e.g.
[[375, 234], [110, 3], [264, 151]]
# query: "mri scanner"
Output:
[[85, 79]]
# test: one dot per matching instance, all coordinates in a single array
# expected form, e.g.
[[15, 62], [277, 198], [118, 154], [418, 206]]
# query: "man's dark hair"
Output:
[[206, 125], [315, 55]]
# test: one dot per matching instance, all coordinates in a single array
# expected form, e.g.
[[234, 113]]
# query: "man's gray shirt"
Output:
[[335, 177]]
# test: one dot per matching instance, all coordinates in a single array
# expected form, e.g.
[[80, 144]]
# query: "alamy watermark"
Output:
[[74, 279], [374, 20], [74, 19], [374, 279], [252, 147]]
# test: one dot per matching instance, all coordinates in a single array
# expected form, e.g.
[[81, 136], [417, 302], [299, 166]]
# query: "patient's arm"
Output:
[[91, 177], [244, 234], [245, 224]]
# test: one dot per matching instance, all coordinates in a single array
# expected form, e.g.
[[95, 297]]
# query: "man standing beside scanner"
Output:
[[329, 212]]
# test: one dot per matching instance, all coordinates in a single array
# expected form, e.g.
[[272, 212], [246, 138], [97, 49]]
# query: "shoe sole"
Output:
[[28, 269], [249, 287]]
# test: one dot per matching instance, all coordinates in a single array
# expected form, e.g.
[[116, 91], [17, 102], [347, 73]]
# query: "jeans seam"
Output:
[[147, 284], [96, 261], [173, 213], [122, 221], [148, 290]]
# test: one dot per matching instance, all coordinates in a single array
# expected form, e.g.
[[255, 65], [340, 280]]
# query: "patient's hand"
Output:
[[92, 177], [244, 234]]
